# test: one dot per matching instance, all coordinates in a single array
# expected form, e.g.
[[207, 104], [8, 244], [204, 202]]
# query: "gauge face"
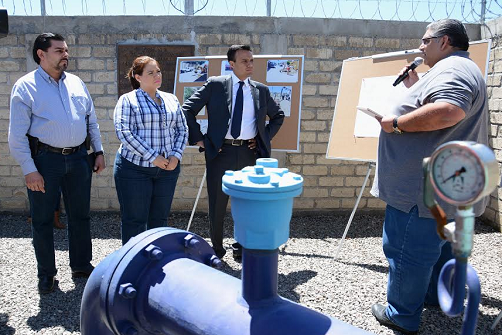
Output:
[[458, 175]]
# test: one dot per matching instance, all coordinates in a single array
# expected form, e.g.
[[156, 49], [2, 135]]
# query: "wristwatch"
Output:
[[395, 127], [97, 153]]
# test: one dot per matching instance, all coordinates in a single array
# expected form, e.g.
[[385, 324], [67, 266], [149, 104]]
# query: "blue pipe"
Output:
[[451, 292]]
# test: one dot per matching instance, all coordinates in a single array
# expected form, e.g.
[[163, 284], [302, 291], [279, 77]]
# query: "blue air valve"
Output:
[[262, 203]]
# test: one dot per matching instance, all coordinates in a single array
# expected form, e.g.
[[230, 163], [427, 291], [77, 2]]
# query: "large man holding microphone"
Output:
[[448, 103]]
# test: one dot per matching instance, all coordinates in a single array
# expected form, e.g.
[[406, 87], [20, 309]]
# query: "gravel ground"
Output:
[[308, 273]]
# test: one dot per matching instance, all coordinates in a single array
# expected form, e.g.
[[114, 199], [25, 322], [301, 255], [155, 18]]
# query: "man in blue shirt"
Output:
[[48, 126]]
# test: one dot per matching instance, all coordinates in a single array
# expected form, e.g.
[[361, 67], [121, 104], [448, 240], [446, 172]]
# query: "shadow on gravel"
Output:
[[288, 283], [4, 328], [434, 321], [59, 309], [371, 267], [303, 225]]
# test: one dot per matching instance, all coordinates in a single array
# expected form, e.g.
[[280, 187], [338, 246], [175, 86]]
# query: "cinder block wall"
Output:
[[329, 184], [493, 31]]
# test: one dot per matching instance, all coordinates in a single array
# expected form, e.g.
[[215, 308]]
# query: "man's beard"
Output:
[[62, 65]]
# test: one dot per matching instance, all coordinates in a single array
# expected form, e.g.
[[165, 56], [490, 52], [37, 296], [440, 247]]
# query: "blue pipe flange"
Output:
[[141, 261]]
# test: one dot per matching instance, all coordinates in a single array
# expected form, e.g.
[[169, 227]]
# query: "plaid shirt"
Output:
[[147, 130]]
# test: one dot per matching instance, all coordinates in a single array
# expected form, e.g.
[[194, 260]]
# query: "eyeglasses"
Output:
[[427, 40]]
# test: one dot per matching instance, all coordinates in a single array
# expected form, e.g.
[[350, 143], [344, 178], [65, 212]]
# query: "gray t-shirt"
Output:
[[399, 177]]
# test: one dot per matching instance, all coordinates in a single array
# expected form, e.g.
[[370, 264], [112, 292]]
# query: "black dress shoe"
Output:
[[45, 284], [237, 251], [378, 312], [82, 273]]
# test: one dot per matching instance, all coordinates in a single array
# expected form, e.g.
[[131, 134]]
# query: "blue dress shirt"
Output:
[[53, 111]]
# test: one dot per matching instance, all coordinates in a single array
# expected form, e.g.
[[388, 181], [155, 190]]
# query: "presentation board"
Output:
[[355, 137], [283, 74]]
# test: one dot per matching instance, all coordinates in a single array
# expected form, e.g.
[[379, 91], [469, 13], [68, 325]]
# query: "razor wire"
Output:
[[468, 11]]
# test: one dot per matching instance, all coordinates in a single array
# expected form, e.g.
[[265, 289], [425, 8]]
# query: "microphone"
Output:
[[413, 66]]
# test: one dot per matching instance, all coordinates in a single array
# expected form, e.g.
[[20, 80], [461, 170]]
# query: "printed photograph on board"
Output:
[[226, 69], [282, 71], [193, 71], [188, 91], [282, 96]]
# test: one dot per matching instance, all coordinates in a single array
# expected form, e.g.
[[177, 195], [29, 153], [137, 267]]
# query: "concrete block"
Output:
[[296, 51], [360, 42], [301, 203], [342, 170], [307, 137], [314, 148], [91, 39], [308, 114], [313, 125], [328, 89], [315, 102], [350, 203], [236, 39], [90, 64], [307, 40], [9, 65], [335, 41], [80, 51], [387, 43], [330, 66], [327, 203], [319, 53], [331, 181], [217, 51], [346, 54], [315, 192], [10, 39], [15, 52], [325, 114], [311, 65], [343, 192], [315, 170], [309, 89], [108, 76], [95, 89], [318, 78], [323, 137], [354, 181], [105, 51]]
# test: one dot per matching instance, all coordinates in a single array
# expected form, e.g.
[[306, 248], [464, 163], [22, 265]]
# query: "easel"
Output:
[[197, 199], [370, 166]]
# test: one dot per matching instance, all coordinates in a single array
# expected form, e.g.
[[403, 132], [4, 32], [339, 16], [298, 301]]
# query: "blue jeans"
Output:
[[145, 195], [414, 252], [72, 175]]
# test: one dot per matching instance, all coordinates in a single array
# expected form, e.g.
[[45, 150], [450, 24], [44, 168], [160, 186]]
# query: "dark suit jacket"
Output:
[[216, 95]]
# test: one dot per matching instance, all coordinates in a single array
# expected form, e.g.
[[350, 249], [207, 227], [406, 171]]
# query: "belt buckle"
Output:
[[67, 151], [236, 143]]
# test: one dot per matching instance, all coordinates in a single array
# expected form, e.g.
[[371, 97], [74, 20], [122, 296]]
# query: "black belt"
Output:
[[236, 143], [62, 151]]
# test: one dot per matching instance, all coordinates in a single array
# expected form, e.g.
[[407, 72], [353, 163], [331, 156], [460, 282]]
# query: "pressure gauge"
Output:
[[463, 172]]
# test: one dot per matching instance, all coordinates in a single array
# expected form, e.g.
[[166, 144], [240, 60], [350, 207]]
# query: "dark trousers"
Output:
[[145, 195], [71, 174], [229, 158]]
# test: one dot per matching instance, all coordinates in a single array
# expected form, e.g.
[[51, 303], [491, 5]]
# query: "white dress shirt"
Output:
[[248, 125]]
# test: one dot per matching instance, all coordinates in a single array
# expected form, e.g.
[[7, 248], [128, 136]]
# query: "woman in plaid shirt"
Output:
[[153, 133]]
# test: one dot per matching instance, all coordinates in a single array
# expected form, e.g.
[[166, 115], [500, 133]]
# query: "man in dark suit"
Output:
[[236, 134]]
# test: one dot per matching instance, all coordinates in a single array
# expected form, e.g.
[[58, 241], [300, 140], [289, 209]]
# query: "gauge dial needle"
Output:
[[456, 174]]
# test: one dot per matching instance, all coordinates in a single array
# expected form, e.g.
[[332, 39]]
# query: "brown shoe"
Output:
[[57, 223]]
